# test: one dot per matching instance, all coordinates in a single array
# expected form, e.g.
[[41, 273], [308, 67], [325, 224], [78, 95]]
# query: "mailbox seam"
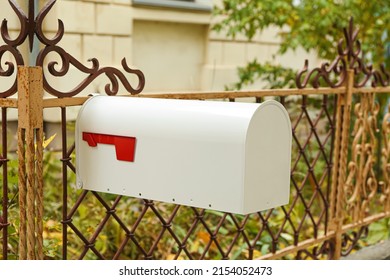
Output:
[[77, 144]]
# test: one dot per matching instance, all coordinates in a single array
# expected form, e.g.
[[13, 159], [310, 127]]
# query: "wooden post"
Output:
[[339, 172], [30, 157]]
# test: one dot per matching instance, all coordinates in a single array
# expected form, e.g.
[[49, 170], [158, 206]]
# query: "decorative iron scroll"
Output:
[[351, 239], [321, 251], [350, 56], [361, 184], [29, 27], [385, 185]]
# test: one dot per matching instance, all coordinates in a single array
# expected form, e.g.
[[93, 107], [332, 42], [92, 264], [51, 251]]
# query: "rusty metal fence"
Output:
[[340, 171], [148, 228]]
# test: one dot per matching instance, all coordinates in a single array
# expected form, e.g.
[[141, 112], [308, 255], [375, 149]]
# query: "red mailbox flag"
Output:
[[124, 146]]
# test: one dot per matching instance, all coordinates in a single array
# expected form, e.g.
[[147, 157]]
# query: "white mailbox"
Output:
[[231, 157]]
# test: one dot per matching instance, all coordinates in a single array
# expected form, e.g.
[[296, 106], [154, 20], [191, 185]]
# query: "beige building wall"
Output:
[[174, 47]]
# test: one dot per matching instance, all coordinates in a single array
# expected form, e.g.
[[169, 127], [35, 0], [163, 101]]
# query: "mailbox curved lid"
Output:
[[233, 157], [180, 118]]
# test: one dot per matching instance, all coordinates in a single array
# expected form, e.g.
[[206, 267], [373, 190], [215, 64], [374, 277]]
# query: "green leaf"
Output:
[[265, 249], [287, 237], [315, 25], [378, 227], [376, 237]]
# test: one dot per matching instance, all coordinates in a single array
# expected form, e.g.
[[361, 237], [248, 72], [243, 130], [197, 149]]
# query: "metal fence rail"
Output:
[[4, 184], [340, 172]]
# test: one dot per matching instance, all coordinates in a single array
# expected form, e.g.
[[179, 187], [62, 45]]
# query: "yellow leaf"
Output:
[[171, 257], [256, 254], [46, 142], [204, 236]]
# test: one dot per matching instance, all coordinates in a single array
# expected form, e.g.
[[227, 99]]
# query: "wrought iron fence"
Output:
[[340, 180], [149, 229]]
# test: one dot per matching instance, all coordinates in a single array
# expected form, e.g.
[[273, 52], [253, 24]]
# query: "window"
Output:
[[197, 5]]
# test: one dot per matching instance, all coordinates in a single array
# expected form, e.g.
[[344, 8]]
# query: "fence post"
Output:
[[339, 172], [30, 158]]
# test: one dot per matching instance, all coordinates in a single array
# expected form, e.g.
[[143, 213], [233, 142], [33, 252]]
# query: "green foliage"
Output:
[[378, 231], [90, 214], [13, 211], [275, 76], [277, 233], [314, 25]]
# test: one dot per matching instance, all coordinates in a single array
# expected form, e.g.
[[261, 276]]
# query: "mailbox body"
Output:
[[231, 157]]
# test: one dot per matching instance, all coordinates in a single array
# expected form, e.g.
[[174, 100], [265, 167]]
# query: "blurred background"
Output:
[[200, 45]]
